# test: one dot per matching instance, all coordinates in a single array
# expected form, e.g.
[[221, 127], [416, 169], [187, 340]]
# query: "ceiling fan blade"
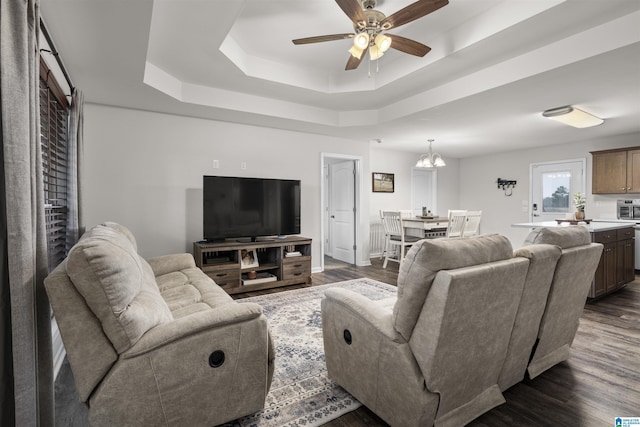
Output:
[[409, 46], [353, 10], [412, 12], [353, 62], [327, 38]]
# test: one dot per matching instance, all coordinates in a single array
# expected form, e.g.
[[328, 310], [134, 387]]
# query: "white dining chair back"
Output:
[[457, 220], [472, 224], [392, 221]]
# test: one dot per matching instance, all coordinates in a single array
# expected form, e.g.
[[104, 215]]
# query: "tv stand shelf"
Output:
[[223, 262]]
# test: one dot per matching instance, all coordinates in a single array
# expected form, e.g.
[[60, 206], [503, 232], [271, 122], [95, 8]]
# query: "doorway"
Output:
[[423, 190], [340, 207], [553, 186]]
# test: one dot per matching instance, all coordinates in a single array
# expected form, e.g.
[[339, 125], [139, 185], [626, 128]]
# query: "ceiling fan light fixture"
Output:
[[356, 52], [383, 42], [573, 117], [361, 41], [375, 52]]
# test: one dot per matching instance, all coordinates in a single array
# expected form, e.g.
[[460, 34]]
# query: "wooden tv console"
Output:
[[223, 263]]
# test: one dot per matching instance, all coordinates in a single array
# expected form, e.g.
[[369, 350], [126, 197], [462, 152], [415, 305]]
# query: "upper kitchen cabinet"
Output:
[[616, 171]]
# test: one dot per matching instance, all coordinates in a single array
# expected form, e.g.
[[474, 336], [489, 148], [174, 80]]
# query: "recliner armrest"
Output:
[[379, 317], [170, 263], [192, 324]]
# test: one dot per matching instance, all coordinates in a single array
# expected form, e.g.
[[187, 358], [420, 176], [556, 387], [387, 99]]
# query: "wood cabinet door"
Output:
[[610, 258], [633, 171], [599, 285], [609, 175], [625, 259]]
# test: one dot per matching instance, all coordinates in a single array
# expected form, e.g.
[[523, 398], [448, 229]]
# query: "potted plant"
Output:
[[579, 201]]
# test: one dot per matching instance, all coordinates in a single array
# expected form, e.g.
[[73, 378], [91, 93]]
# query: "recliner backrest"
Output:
[[426, 258], [118, 285], [569, 289], [462, 334], [542, 264]]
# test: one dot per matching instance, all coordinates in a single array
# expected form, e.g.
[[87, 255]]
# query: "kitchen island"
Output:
[[616, 267]]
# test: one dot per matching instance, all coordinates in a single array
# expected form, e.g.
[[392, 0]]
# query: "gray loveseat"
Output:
[[471, 318], [157, 342]]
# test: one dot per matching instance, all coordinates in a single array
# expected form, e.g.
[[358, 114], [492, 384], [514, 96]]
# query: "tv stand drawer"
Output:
[[296, 267], [229, 277]]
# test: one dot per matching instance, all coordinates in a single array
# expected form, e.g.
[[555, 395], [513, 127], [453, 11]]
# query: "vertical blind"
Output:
[[54, 119]]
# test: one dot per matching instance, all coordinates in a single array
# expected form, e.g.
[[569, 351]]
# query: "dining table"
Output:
[[428, 227]]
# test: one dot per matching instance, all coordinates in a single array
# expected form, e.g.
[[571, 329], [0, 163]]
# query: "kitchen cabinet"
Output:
[[616, 171], [616, 267]]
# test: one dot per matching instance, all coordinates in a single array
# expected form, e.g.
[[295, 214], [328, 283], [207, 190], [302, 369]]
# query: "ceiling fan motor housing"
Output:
[[372, 25]]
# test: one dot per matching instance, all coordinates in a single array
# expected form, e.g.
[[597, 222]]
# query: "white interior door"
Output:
[[342, 211], [423, 190], [553, 186]]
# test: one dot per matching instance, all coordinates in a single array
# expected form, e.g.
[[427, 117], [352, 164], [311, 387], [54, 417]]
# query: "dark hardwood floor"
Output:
[[599, 382]]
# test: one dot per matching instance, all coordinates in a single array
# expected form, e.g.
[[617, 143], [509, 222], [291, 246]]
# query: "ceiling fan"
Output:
[[369, 25]]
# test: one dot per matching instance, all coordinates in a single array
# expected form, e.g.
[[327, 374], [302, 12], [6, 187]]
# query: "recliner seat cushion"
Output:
[[427, 257], [118, 285]]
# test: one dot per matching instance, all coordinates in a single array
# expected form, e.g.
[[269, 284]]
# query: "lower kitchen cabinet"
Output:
[[616, 267]]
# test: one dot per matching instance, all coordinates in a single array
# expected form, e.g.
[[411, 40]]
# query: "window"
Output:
[[556, 187], [54, 119]]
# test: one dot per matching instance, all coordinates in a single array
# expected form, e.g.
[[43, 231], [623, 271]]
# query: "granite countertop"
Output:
[[592, 227]]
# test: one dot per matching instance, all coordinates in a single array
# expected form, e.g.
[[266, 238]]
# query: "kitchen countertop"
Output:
[[592, 227]]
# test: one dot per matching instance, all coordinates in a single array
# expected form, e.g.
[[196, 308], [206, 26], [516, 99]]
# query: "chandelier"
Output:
[[430, 160]]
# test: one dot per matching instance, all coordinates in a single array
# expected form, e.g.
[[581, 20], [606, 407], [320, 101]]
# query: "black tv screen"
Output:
[[235, 207]]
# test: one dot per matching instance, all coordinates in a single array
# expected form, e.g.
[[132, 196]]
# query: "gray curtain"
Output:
[[27, 382], [75, 225]]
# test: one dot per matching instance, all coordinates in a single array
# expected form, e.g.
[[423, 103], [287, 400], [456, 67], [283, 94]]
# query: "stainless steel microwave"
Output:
[[629, 209]]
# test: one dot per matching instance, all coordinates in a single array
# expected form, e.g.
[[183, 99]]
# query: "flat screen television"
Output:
[[236, 207]]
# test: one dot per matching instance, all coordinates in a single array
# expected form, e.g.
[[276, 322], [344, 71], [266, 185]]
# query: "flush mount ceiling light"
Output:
[[430, 160], [573, 117]]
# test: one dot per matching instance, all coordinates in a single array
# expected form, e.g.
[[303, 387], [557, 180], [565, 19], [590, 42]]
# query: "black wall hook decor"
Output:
[[506, 184]]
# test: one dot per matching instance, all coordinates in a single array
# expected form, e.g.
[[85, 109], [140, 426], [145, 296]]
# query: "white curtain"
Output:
[[27, 375]]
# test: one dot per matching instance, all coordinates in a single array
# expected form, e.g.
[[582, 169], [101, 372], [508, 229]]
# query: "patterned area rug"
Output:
[[301, 393]]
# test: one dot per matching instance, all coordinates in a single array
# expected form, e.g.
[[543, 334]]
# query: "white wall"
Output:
[[400, 163], [478, 189], [145, 169]]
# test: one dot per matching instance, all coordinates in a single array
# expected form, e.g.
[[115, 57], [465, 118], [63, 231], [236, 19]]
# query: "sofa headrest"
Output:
[[124, 231], [564, 237], [117, 284], [427, 257]]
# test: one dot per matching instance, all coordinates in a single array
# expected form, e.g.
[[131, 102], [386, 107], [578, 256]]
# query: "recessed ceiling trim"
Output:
[[612, 35]]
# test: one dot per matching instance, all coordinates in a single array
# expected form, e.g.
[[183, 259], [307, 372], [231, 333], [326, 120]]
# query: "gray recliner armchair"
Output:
[[158, 342], [435, 357], [570, 286]]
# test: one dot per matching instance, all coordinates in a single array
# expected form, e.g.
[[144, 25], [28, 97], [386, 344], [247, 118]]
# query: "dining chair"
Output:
[[457, 220], [385, 246], [394, 228], [472, 224]]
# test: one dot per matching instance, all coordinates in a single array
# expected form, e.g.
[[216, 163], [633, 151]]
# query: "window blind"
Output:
[[54, 119]]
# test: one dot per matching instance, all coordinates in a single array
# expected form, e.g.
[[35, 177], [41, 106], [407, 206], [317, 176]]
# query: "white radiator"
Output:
[[376, 239]]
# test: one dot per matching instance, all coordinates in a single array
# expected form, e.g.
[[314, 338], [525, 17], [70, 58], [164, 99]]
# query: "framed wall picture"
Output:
[[248, 258], [382, 182]]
